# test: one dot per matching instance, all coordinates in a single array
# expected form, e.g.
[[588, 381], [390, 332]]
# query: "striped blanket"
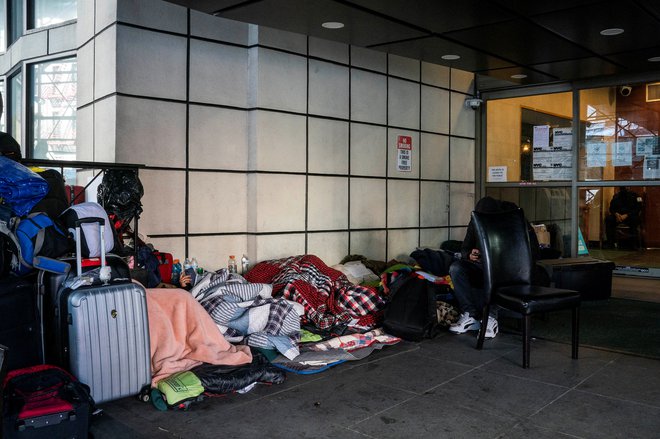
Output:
[[327, 295], [247, 313]]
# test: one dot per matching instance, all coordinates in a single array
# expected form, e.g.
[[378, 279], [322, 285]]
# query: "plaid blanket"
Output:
[[327, 295], [247, 313]]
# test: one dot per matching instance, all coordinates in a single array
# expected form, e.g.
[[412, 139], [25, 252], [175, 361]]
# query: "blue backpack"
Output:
[[37, 236]]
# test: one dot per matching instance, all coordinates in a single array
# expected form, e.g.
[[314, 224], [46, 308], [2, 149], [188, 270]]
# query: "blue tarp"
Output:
[[20, 188]]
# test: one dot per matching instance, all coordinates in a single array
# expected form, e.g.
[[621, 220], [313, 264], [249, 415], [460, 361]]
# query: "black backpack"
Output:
[[411, 311]]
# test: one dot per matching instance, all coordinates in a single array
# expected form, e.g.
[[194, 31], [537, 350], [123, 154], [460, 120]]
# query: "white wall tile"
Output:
[[328, 146], [402, 203], [432, 238], [218, 73], [217, 28], [212, 252], [31, 45], [435, 110], [457, 233], [327, 203], [279, 39], [461, 158], [218, 138], [369, 59], [370, 244], [163, 202], [368, 150], [151, 63], [403, 104], [155, 14], [276, 246], [105, 63], [404, 67], [434, 204], [279, 203], [277, 141], [392, 152], [367, 203], [462, 119], [106, 13], [400, 243], [330, 247], [62, 38], [218, 202], [85, 134], [462, 81], [281, 80], [368, 97], [328, 89], [85, 22], [434, 157], [105, 129], [144, 138], [461, 203], [330, 50], [85, 74], [435, 74]]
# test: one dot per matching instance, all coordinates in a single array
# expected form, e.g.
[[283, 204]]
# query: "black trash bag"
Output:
[[120, 193]]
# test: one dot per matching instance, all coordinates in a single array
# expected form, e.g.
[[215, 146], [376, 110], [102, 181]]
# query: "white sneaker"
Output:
[[491, 327], [465, 323]]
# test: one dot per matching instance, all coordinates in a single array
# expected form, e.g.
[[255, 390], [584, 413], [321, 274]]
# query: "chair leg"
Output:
[[526, 335], [482, 330], [575, 339]]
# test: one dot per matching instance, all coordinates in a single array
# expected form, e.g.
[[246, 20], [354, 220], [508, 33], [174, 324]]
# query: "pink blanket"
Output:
[[183, 335]]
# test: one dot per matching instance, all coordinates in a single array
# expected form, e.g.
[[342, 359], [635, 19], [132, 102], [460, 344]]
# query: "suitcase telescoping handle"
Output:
[[79, 223]]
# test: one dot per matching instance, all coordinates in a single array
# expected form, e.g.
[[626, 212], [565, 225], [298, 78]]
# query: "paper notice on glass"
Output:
[[651, 167], [552, 159], [646, 145], [541, 140], [552, 174], [497, 173], [596, 154], [622, 154], [562, 139]]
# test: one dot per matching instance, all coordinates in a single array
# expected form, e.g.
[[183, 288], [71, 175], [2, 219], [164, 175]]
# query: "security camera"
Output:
[[625, 90], [473, 103]]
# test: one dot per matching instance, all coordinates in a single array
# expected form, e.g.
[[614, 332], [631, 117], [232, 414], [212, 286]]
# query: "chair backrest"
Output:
[[506, 251]]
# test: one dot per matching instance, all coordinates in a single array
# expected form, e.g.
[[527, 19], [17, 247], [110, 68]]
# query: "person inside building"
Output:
[[467, 274], [624, 210]]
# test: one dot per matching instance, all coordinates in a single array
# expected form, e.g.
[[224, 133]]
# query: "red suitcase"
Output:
[[165, 264]]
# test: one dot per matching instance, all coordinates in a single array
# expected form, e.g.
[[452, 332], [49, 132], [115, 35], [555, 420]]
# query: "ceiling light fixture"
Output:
[[654, 59], [332, 25], [450, 57], [611, 31], [519, 76]]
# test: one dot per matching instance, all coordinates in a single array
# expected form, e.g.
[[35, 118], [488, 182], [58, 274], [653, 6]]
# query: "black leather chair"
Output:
[[508, 267]]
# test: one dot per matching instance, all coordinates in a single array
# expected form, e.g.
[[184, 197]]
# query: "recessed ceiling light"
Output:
[[519, 76], [450, 57], [332, 25], [611, 31], [654, 59]]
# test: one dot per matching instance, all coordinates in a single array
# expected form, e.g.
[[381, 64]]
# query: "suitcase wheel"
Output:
[[145, 394]]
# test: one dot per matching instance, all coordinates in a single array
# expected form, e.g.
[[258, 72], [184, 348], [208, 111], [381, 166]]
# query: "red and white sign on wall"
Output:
[[404, 153]]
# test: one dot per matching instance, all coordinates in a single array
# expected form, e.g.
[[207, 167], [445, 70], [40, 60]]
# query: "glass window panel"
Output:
[[631, 240], [620, 141], [15, 107], [15, 20], [530, 138], [49, 12], [3, 124], [549, 206], [54, 103], [3, 27]]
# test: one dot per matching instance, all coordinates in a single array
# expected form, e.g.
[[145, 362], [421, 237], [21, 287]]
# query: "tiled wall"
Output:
[[269, 143]]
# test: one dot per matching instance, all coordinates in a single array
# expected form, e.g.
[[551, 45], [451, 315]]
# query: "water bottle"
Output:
[[245, 264], [194, 265], [176, 271], [231, 265], [187, 268]]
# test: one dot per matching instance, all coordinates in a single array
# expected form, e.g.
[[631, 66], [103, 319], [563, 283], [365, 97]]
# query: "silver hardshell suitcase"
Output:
[[108, 334]]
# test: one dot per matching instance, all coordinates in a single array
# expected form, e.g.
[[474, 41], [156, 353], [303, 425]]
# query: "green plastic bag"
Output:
[[180, 387]]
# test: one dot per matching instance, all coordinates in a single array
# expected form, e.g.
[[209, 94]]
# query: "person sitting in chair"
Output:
[[624, 209]]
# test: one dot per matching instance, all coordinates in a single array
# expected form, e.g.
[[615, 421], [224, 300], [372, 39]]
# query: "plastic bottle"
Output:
[[245, 264], [187, 267], [176, 271], [194, 265], [231, 265]]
